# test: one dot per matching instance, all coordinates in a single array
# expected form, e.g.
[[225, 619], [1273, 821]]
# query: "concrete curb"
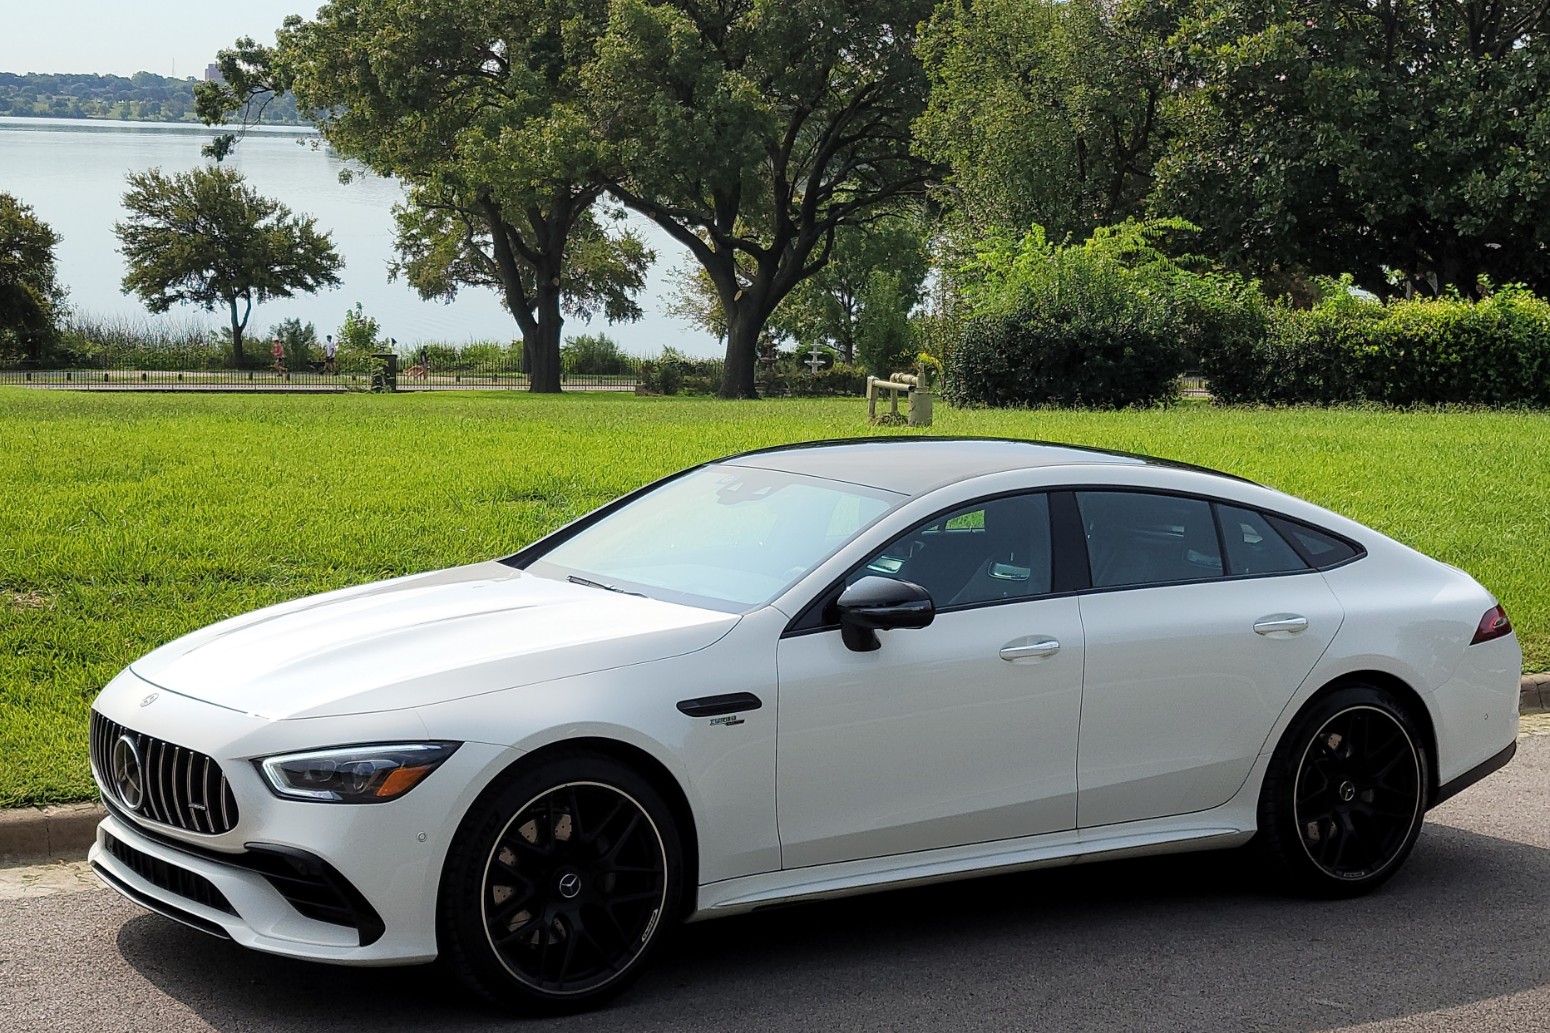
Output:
[[33, 835], [1534, 692]]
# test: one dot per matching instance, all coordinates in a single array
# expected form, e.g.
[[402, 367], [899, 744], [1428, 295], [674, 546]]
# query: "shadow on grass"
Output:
[[1186, 942]]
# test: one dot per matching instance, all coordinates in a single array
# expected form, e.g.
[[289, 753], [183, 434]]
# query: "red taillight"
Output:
[[1493, 625]]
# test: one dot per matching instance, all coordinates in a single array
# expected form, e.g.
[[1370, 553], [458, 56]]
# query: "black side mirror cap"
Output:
[[879, 603]]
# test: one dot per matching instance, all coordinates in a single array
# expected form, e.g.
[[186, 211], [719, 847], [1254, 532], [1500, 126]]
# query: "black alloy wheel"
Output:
[[1346, 794], [554, 895]]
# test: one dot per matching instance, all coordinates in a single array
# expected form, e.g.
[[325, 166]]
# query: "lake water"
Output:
[[71, 171]]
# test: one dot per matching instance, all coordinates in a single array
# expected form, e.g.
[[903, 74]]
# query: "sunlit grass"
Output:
[[128, 520]]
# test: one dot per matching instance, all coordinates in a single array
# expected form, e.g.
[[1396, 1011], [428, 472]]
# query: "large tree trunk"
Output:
[[543, 372], [737, 376], [236, 336]]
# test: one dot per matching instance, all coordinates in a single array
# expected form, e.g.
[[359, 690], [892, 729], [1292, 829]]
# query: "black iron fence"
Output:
[[166, 371]]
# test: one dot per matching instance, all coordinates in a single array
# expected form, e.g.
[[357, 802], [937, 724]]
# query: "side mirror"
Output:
[[875, 603]]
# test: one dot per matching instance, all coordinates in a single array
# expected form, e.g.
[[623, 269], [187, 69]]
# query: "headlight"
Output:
[[354, 774]]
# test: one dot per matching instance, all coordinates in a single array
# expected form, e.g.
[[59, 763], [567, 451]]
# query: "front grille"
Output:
[[180, 787], [186, 884]]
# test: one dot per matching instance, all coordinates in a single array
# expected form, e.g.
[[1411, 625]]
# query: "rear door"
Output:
[[1190, 655]]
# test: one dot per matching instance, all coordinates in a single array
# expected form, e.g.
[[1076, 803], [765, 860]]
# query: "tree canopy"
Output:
[[30, 295], [1048, 111], [751, 132], [205, 237], [476, 106], [1377, 139]]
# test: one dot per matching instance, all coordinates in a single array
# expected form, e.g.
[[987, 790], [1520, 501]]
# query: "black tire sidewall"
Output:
[[1280, 840], [464, 947]]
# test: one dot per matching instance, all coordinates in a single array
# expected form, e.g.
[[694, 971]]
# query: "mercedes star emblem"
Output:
[[128, 776]]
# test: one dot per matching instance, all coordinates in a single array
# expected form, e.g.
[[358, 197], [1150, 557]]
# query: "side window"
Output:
[[1323, 550], [982, 553], [1253, 546], [1136, 538]]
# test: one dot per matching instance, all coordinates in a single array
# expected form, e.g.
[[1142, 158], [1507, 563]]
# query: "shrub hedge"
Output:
[[1495, 352]]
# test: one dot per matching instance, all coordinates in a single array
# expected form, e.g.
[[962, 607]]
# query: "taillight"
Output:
[[1493, 625]]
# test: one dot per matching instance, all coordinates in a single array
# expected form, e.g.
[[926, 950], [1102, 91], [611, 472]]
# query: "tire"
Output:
[[1345, 795], [560, 883]]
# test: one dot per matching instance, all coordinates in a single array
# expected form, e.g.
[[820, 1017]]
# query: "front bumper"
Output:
[[340, 883], [285, 902]]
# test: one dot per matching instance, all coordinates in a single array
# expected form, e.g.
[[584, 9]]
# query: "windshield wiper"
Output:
[[573, 579]]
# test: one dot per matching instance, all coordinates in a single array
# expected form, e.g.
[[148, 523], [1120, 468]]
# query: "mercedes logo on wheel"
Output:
[[570, 885], [128, 776]]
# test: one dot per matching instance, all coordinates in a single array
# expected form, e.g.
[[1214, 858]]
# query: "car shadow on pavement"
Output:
[[1187, 942]]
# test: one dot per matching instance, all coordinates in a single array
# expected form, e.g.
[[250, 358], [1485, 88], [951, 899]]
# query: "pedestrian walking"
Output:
[[330, 350], [279, 356]]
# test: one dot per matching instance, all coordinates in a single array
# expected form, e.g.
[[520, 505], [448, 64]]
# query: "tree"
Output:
[[1048, 112], [1330, 137], [827, 308], [752, 132], [205, 237], [885, 343], [30, 295], [475, 106]]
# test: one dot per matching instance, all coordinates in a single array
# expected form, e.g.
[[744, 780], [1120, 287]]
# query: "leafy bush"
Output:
[[1068, 325], [673, 372], [839, 380], [595, 355], [359, 334], [1415, 352]]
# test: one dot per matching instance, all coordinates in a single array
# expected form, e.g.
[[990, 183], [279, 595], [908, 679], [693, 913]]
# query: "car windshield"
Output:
[[724, 537]]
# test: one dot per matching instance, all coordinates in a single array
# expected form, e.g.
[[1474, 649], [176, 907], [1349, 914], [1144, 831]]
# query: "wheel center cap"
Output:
[[1347, 791], [569, 885]]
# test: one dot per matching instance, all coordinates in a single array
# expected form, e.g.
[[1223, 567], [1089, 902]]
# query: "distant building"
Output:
[[213, 73]]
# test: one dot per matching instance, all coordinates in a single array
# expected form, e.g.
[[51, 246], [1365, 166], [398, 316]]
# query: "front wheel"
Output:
[[1345, 794], [559, 884]]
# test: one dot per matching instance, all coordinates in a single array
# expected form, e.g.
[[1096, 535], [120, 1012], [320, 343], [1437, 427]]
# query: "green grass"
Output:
[[128, 520]]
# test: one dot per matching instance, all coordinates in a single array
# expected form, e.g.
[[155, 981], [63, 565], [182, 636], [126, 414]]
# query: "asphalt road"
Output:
[[1459, 940]]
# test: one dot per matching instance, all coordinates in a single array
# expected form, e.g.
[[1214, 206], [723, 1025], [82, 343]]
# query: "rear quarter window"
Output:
[[1320, 548]]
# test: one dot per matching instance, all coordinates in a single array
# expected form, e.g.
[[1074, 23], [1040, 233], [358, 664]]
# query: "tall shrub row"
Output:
[[1449, 350]]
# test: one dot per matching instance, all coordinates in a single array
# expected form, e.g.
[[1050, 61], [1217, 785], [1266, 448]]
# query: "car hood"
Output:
[[424, 639]]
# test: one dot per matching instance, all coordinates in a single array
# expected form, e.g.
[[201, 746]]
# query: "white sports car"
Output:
[[793, 674]]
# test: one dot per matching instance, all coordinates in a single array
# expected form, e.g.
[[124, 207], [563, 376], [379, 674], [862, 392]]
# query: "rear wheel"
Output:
[[1345, 795], [559, 884]]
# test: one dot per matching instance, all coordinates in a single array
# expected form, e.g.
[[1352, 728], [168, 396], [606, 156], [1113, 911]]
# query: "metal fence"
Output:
[[311, 378]]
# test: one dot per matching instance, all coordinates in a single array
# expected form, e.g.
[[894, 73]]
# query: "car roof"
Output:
[[916, 465]]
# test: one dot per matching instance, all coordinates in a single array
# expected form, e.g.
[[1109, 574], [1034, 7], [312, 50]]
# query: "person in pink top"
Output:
[[279, 356]]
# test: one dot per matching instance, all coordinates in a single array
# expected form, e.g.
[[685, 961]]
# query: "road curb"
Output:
[[1534, 692], [31, 835]]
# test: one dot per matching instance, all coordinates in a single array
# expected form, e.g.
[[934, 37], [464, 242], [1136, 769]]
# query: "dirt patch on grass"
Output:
[[24, 601]]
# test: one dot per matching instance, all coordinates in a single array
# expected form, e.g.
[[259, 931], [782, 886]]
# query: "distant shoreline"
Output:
[[84, 121], [143, 98]]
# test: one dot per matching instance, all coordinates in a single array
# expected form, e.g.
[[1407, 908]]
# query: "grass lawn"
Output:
[[126, 520]]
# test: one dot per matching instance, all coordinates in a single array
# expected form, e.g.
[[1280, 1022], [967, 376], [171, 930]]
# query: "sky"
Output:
[[121, 37]]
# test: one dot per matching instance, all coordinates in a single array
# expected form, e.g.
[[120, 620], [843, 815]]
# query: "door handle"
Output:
[[1030, 650], [1288, 622]]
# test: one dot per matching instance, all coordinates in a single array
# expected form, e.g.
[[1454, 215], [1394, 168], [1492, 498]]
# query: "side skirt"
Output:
[[847, 878]]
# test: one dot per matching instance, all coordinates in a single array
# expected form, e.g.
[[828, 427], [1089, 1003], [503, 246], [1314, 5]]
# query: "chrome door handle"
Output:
[[1288, 622], [1030, 650]]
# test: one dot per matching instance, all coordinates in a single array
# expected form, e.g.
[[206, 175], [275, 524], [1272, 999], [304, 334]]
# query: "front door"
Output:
[[962, 732]]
